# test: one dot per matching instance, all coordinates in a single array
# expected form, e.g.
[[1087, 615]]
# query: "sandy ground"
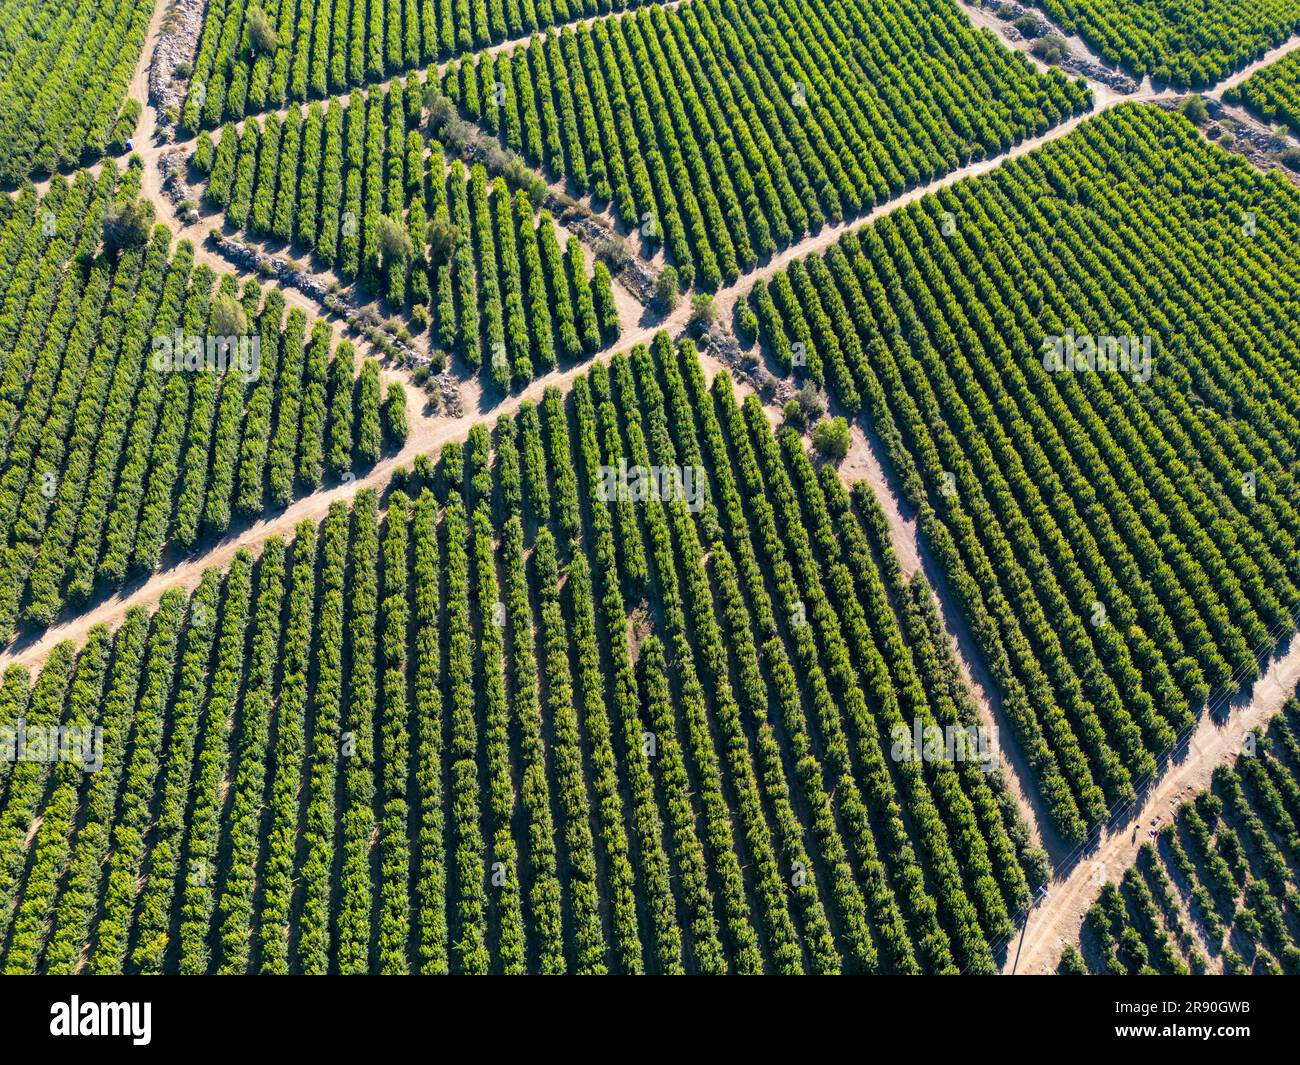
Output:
[[864, 464], [139, 88]]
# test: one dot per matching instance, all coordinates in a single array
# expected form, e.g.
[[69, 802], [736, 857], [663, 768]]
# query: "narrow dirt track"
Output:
[[1271, 56]]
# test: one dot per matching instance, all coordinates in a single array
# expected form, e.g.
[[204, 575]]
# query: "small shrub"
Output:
[[810, 402], [703, 313], [127, 227], [394, 241], [1049, 48], [1029, 26], [395, 424], [261, 36], [441, 235], [1290, 158], [1195, 111], [667, 289], [832, 438], [227, 318], [613, 253]]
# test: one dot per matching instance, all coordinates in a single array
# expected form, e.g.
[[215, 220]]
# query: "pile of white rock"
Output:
[[176, 45]]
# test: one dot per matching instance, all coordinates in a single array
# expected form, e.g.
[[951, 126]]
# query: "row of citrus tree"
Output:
[[1229, 861], [257, 55], [726, 131], [529, 718], [1055, 413], [370, 198], [144, 403]]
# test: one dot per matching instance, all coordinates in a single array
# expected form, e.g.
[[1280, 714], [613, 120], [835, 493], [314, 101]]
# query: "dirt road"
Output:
[[1271, 56]]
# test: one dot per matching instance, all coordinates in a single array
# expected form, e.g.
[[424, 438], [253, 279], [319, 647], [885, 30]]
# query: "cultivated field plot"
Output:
[[253, 56], [364, 190], [523, 722], [727, 130], [1217, 889], [143, 402], [853, 525], [1185, 43], [1273, 93], [64, 69], [1082, 368]]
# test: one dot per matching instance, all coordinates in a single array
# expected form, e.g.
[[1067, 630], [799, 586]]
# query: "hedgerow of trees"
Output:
[[725, 131], [359, 185], [1122, 540], [1215, 890], [501, 720], [67, 66], [110, 455]]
